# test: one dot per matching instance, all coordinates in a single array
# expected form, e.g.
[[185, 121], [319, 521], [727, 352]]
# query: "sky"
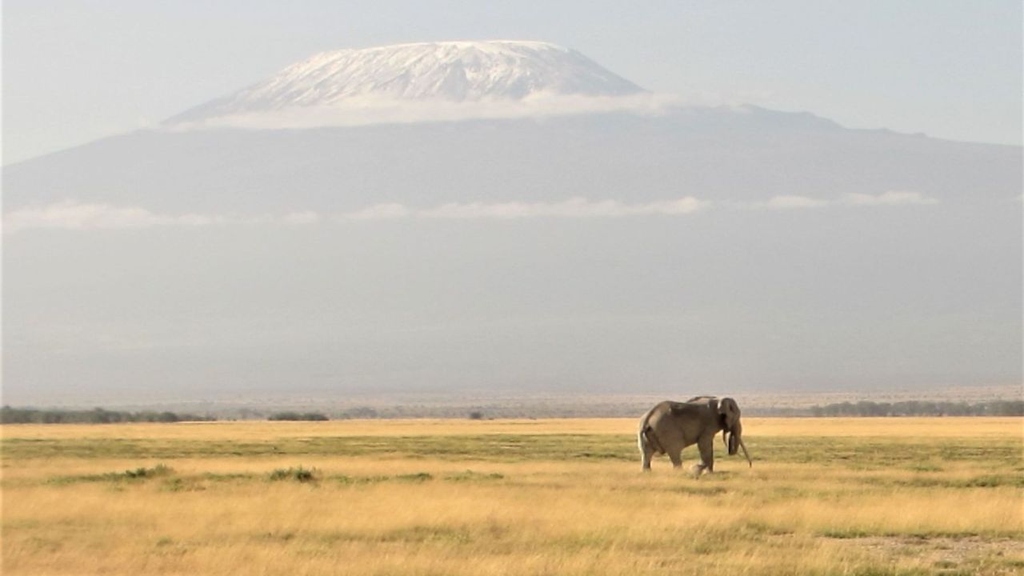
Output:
[[75, 71]]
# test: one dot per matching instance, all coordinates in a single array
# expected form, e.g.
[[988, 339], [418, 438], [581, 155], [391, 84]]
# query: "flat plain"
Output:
[[860, 496]]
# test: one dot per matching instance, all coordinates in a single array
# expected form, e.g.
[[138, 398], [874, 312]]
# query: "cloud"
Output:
[[784, 202], [359, 111], [70, 215], [301, 218], [891, 198], [885, 199], [390, 211], [794, 202], [572, 208]]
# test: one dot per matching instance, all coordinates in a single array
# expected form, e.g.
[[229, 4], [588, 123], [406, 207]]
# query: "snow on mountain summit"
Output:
[[436, 72], [455, 71]]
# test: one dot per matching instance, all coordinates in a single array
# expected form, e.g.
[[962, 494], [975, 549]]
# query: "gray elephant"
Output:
[[671, 426]]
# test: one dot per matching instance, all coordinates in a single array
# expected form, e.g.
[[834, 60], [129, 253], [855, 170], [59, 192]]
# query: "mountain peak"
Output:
[[446, 72]]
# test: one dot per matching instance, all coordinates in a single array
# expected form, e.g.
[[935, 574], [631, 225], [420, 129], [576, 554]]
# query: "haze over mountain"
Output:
[[503, 216]]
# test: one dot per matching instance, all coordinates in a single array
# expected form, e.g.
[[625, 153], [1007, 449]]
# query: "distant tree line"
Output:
[[921, 408], [305, 416], [10, 415]]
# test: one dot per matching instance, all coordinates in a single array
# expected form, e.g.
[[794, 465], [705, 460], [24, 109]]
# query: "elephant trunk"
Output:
[[732, 436]]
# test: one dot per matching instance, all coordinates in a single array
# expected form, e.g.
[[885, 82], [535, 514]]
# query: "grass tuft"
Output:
[[154, 472], [300, 474], [141, 473], [417, 477], [471, 476]]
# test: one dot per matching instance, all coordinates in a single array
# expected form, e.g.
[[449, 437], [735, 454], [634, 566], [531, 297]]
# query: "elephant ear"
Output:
[[730, 412]]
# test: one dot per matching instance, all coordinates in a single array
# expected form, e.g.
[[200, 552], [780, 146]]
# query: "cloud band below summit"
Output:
[[71, 215]]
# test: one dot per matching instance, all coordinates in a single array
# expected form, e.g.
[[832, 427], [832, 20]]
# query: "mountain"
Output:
[[726, 155], [432, 72], [676, 250]]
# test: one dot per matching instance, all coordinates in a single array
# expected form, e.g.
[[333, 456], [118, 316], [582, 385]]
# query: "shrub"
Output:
[[158, 470], [299, 474]]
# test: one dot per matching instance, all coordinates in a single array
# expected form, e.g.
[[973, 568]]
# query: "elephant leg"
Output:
[[647, 450], [645, 459], [707, 453], [677, 460]]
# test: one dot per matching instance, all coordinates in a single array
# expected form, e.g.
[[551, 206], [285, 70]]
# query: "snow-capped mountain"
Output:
[[438, 72]]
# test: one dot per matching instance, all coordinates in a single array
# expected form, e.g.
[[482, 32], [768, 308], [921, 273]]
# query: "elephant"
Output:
[[671, 426]]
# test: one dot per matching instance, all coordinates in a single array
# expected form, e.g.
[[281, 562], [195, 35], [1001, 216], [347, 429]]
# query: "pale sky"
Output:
[[76, 70]]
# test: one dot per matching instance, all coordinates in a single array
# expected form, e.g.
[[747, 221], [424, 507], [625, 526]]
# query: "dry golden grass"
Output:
[[851, 496]]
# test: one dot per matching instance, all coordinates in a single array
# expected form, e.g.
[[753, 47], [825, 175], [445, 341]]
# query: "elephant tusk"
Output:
[[745, 453]]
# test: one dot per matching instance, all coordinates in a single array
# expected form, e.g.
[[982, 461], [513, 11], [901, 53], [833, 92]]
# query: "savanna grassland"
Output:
[[824, 496]]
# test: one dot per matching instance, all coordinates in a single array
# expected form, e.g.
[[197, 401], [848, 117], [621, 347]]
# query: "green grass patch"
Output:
[[859, 454], [471, 476], [698, 488], [888, 571], [982, 481], [488, 447], [428, 534], [135, 474], [417, 477], [764, 529]]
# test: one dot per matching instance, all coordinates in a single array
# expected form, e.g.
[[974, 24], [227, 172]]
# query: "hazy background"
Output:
[[708, 251]]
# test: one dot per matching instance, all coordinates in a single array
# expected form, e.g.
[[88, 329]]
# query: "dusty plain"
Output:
[[860, 496]]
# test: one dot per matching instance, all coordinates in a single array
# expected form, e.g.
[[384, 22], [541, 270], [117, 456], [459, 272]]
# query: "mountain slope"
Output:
[[719, 155]]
